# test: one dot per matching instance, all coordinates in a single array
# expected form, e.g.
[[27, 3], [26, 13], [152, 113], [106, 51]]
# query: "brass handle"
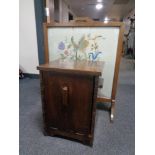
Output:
[[65, 91]]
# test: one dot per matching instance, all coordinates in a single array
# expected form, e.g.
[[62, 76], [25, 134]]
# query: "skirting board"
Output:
[[33, 76]]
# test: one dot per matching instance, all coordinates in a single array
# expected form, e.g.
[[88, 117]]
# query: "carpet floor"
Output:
[[116, 138]]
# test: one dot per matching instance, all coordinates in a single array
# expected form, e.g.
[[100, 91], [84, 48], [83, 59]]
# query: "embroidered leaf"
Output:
[[63, 56], [82, 39], [73, 43], [83, 45], [69, 46]]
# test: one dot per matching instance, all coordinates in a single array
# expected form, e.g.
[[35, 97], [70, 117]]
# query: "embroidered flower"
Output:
[[66, 52], [61, 46]]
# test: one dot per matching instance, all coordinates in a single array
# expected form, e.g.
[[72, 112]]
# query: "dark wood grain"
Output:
[[78, 66], [69, 93]]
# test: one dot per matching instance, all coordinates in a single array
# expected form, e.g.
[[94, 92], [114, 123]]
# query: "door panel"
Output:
[[68, 102]]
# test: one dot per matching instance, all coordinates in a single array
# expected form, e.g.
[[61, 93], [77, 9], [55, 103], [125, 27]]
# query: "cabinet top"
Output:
[[74, 66]]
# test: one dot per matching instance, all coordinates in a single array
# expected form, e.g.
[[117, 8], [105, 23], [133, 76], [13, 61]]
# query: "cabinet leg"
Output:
[[112, 110], [48, 133], [88, 142], [45, 133]]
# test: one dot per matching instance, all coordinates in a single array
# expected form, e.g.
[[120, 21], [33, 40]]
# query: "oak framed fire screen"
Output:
[[89, 40]]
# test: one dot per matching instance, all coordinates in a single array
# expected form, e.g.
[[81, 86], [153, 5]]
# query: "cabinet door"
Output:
[[68, 102]]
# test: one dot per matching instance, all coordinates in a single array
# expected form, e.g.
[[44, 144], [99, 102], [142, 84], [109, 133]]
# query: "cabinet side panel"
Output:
[[95, 91], [43, 100]]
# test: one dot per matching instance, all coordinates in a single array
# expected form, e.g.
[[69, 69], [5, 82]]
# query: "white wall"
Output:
[[64, 11], [28, 51]]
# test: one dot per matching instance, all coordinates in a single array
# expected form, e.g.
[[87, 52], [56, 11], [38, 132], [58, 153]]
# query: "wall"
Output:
[[64, 11], [56, 10], [28, 52], [129, 37], [127, 21]]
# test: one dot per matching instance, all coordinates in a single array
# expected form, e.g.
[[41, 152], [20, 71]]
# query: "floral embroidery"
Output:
[[66, 52], [86, 48], [61, 46]]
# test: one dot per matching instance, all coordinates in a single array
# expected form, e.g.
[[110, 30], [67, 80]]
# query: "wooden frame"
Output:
[[86, 22]]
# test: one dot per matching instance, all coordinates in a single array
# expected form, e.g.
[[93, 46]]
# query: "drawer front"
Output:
[[68, 102]]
